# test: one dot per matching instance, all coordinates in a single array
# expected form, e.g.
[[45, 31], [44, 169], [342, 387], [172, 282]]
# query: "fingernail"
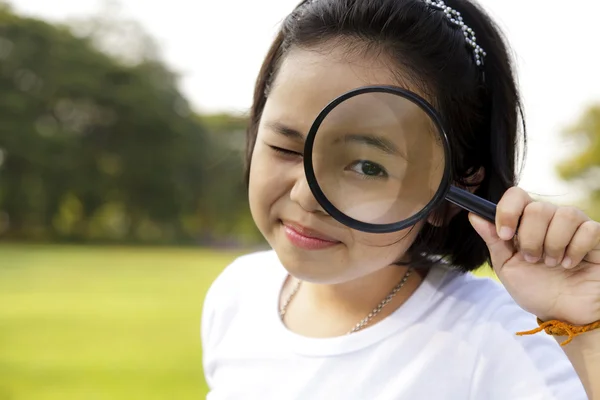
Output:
[[551, 262], [566, 262], [506, 233], [530, 259]]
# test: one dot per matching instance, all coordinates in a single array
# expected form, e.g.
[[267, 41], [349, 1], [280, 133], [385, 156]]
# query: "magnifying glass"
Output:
[[377, 159]]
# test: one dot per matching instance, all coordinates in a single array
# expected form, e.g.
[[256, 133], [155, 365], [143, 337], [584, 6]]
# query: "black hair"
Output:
[[480, 106]]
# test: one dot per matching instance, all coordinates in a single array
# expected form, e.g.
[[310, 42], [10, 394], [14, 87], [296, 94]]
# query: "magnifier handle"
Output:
[[470, 202]]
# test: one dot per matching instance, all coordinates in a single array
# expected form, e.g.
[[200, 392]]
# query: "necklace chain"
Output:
[[365, 321]]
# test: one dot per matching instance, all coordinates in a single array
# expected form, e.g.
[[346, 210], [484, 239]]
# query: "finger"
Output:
[[533, 228], [500, 250], [586, 240], [509, 210], [562, 228], [593, 256]]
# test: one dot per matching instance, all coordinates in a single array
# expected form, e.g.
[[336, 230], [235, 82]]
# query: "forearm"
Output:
[[584, 354]]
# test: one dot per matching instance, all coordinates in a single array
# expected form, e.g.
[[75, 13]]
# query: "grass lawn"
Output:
[[110, 323], [92, 323]]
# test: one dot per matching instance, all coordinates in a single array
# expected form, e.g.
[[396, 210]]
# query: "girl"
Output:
[[335, 313]]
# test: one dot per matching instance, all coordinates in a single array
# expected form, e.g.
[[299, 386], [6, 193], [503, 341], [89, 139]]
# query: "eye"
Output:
[[285, 152], [368, 169]]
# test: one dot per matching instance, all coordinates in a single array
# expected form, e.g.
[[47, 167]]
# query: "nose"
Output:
[[302, 195]]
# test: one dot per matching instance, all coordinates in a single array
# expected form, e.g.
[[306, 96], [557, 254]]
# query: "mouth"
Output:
[[307, 238]]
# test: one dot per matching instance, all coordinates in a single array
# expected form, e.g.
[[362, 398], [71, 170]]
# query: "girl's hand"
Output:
[[551, 267]]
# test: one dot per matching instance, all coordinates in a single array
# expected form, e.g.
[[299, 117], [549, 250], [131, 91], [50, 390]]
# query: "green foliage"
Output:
[[584, 167], [225, 181], [225, 123], [96, 148]]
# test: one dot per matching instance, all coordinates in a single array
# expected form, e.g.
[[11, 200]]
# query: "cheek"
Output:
[[266, 184]]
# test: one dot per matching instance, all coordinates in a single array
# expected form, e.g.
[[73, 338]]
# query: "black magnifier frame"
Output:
[[446, 190]]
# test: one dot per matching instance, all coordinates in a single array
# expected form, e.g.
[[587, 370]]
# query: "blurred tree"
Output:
[[584, 167], [228, 196], [95, 146], [114, 34]]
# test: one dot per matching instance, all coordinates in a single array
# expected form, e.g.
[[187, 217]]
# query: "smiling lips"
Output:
[[306, 238]]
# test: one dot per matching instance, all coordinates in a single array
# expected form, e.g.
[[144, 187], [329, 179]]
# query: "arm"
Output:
[[584, 354], [548, 258]]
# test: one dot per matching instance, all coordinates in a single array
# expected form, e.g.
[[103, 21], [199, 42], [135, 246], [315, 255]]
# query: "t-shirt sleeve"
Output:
[[537, 367], [208, 316], [219, 304]]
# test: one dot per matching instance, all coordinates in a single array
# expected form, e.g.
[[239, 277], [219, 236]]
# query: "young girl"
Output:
[[336, 313]]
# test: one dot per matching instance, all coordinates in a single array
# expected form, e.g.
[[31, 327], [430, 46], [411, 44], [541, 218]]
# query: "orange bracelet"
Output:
[[559, 328]]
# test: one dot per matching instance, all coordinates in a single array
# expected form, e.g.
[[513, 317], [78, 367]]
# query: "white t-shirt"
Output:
[[454, 338]]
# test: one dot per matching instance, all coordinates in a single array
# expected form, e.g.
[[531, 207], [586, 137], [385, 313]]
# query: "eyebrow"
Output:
[[379, 143], [286, 131]]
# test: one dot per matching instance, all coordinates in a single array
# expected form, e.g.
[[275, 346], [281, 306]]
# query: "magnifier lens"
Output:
[[378, 158]]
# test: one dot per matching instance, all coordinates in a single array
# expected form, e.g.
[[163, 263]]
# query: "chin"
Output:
[[326, 266]]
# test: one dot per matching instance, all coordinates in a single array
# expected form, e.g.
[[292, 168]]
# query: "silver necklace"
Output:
[[365, 321]]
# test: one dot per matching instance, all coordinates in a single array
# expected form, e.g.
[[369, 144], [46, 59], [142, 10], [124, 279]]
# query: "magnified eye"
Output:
[[368, 169]]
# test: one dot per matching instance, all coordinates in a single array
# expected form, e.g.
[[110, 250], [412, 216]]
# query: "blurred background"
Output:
[[121, 192]]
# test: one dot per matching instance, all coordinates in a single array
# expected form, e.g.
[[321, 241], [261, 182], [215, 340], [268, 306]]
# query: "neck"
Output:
[[355, 295], [319, 310]]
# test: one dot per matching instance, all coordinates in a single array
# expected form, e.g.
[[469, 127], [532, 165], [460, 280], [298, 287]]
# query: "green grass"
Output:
[[102, 323], [114, 323]]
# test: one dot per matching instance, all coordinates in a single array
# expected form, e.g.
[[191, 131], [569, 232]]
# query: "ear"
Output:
[[447, 210]]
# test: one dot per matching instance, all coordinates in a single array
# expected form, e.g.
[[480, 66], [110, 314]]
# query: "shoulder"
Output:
[[243, 271], [244, 275], [470, 299], [485, 316], [233, 291], [482, 309]]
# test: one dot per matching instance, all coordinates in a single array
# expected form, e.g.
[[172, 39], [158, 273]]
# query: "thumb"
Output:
[[500, 250]]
